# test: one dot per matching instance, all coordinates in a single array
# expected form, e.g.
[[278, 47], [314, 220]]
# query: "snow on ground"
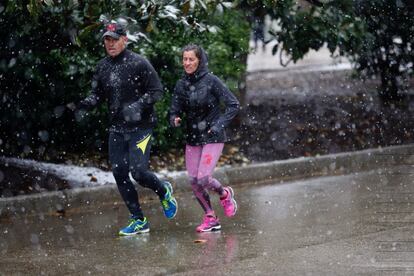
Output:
[[74, 175]]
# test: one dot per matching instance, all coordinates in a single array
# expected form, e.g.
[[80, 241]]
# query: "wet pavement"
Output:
[[357, 224]]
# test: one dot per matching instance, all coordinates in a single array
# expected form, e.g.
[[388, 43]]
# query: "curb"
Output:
[[268, 172]]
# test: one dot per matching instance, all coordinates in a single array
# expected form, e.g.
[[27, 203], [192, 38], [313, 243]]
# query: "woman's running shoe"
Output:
[[210, 223], [228, 203]]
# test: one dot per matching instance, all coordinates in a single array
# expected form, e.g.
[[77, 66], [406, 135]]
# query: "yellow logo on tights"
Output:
[[142, 144]]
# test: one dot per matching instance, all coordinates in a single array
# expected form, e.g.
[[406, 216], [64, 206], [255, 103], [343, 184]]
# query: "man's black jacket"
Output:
[[199, 96], [131, 86]]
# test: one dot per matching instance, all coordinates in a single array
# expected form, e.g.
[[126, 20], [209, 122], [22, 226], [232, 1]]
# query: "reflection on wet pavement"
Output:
[[351, 224]]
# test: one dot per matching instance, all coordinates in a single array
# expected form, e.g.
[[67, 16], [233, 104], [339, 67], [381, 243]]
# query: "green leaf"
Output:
[[49, 3], [203, 5]]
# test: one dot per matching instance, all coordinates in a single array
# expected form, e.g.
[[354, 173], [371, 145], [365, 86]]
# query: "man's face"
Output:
[[115, 46], [190, 62]]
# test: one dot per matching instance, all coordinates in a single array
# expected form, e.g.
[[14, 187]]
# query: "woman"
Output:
[[199, 95]]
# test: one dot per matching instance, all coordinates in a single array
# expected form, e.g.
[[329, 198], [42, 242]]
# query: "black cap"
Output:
[[114, 30]]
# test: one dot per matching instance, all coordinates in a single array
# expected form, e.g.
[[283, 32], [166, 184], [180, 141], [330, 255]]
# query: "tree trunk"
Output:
[[390, 91]]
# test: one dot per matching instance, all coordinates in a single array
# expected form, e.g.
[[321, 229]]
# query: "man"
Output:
[[130, 85]]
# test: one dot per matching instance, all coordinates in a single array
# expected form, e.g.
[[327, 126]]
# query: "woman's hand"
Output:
[[213, 130], [177, 121]]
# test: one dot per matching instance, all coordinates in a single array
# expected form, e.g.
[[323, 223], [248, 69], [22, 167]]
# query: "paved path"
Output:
[[354, 224]]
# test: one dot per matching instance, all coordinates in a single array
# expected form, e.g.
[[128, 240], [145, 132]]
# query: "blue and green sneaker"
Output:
[[169, 204], [135, 226]]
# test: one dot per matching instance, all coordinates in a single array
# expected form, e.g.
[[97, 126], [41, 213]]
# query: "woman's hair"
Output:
[[192, 47]]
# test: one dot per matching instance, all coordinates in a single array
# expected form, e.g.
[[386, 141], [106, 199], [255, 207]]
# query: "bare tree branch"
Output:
[[284, 64]]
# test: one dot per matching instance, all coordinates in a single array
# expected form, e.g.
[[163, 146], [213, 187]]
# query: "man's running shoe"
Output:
[[135, 226], [228, 202], [169, 204], [210, 223]]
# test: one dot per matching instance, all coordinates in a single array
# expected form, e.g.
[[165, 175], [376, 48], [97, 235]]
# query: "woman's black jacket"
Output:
[[201, 96]]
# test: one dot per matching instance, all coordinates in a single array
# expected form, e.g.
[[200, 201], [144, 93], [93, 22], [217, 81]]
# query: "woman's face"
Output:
[[190, 62]]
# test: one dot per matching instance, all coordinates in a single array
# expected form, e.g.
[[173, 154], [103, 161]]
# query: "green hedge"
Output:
[[48, 53]]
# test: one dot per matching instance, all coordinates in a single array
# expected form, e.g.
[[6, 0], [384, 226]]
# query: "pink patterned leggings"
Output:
[[200, 162]]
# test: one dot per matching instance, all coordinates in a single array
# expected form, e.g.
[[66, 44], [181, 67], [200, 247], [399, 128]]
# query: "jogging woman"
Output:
[[199, 95]]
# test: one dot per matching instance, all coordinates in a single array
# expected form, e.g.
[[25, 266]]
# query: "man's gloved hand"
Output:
[[78, 112], [132, 113], [71, 106]]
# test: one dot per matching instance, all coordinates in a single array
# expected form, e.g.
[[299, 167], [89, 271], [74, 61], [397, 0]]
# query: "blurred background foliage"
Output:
[[49, 49]]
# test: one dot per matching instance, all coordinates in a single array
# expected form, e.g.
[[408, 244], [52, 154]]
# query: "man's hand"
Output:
[[78, 112], [71, 106], [132, 113]]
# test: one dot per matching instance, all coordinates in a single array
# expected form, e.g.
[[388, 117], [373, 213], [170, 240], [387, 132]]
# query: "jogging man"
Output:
[[130, 86]]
